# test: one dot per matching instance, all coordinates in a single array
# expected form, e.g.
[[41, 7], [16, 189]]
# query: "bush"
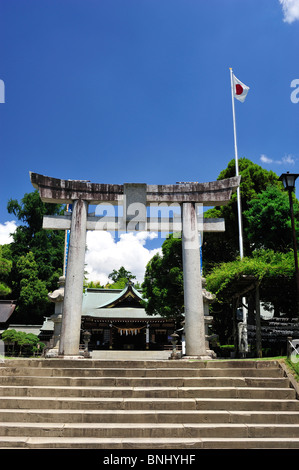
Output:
[[294, 366], [20, 343], [224, 350]]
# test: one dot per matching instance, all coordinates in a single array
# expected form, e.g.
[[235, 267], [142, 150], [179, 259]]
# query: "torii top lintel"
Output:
[[60, 191]]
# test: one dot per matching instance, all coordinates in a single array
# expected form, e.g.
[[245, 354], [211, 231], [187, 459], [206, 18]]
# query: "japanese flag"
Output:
[[240, 90]]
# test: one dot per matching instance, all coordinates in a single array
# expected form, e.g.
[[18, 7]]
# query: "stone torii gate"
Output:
[[135, 198]]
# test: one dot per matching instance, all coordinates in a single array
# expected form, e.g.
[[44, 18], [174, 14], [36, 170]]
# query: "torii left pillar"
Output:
[[71, 320]]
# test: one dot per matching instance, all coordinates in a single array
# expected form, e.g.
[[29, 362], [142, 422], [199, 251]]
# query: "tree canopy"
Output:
[[268, 242], [22, 343], [36, 256], [163, 281], [268, 220], [33, 299], [120, 278], [225, 246], [46, 245], [274, 271], [5, 268]]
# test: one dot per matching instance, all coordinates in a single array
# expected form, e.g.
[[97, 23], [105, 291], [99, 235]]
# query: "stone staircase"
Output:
[[102, 404]]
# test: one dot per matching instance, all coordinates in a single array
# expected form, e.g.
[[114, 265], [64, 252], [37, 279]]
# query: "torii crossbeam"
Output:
[[135, 198]]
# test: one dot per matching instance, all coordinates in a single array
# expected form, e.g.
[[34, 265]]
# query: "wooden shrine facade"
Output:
[[117, 320]]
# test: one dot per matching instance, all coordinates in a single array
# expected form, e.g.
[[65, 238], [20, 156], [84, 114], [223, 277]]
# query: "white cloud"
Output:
[[6, 230], [286, 160], [104, 254], [290, 10], [265, 159]]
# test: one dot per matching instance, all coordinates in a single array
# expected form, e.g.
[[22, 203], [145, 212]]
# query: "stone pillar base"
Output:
[[52, 353], [71, 358], [205, 357], [200, 358], [175, 356]]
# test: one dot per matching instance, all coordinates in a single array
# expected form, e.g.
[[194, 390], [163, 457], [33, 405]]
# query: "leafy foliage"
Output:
[[225, 247], [274, 270], [22, 343], [5, 268], [268, 220], [121, 273], [269, 255], [46, 245], [163, 281], [93, 285], [120, 278], [37, 256], [33, 291]]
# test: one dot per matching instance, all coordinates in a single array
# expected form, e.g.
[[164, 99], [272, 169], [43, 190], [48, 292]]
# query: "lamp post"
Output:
[[288, 180]]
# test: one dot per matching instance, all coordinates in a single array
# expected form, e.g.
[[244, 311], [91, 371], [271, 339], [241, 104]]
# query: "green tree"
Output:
[[5, 268], [93, 285], [264, 265], [33, 300], [163, 281], [275, 273], [218, 247], [121, 273], [46, 248], [46, 245], [22, 343], [268, 220], [274, 270], [120, 278]]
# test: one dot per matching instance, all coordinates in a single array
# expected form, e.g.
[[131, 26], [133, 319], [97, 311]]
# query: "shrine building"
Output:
[[116, 319]]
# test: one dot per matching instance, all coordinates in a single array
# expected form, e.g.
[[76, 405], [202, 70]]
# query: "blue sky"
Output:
[[118, 91]]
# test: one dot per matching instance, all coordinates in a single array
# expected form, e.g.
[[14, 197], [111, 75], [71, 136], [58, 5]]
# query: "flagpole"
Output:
[[65, 247], [237, 170], [239, 206]]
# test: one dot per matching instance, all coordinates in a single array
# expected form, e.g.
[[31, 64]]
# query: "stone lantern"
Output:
[[86, 338], [174, 340], [57, 297], [208, 298]]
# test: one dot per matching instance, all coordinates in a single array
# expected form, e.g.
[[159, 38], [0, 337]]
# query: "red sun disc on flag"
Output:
[[239, 89]]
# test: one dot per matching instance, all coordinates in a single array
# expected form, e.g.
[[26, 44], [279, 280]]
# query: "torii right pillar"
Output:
[[193, 299]]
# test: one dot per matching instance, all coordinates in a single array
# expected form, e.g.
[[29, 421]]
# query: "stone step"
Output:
[[149, 443], [144, 364], [127, 410], [146, 404], [139, 372], [71, 403], [148, 430], [147, 392], [47, 417], [145, 381]]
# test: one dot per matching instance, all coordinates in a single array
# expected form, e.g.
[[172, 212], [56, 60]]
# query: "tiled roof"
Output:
[[107, 303], [6, 309]]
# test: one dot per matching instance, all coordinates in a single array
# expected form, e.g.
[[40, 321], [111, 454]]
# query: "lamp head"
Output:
[[288, 180]]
